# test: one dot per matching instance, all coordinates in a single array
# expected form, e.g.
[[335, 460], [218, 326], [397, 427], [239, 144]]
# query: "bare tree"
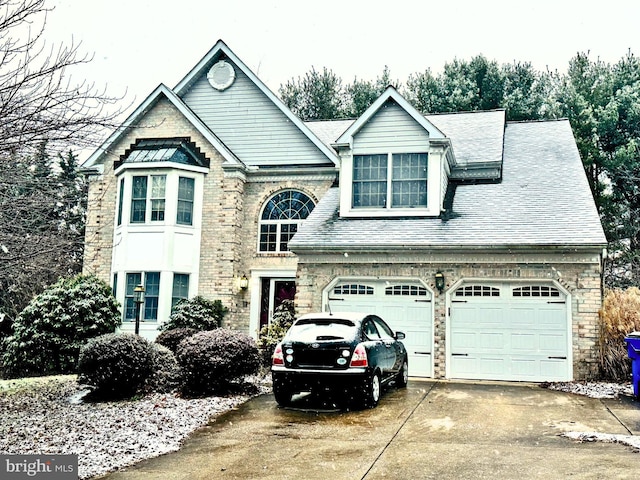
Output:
[[39, 100], [42, 110]]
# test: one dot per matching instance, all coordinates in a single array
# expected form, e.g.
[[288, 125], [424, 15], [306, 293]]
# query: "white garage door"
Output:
[[405, 306], [509, 332]]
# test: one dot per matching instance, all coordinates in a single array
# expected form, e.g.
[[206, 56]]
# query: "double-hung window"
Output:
[[186, 187], [180, 288], [156, 200], [149, 311], [397, 180]]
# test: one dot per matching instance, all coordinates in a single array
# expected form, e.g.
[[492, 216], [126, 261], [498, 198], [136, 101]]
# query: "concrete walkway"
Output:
[[431, 430]]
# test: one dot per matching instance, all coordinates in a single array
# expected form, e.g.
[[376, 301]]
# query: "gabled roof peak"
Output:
[[391, 94]]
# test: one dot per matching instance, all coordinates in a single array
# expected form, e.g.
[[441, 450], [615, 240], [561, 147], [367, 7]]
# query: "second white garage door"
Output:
[[405, 306], [508, 331]]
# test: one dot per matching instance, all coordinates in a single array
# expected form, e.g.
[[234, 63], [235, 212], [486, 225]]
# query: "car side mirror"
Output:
[[399, 336]]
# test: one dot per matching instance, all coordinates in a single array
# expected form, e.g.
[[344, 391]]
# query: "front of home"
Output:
[[476, 237]]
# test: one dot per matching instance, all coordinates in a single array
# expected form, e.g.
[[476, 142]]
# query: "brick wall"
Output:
[[578, 274]]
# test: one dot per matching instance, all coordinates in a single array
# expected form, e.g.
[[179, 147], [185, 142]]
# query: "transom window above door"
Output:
[[281, 215], [394, 180]]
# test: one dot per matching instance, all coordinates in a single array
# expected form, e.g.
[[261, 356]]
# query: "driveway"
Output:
[[433, 429]]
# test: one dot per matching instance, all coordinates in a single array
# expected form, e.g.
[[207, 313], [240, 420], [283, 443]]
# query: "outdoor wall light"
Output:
[[138, 299], [244, 282], [439, 281]]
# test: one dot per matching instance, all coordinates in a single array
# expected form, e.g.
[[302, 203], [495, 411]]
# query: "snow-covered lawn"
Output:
[[45, 416]]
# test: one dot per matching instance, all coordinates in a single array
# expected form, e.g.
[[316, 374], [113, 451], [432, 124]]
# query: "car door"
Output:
[[376, 350], [394, 348]]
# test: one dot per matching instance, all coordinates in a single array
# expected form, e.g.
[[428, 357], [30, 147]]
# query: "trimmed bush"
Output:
[[211, 361], [49, 332], [171, 338], [199, 313], [270, 335], [166, 375], [619, 316], [116, 365]]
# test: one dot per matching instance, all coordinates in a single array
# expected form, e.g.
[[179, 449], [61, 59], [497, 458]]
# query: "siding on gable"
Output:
[[391, 129], [250, 124]]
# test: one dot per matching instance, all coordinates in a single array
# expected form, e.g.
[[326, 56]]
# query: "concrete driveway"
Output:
[[433, 429]]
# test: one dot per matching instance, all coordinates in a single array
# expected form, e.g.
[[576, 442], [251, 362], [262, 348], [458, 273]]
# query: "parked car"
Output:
[[353, 354]]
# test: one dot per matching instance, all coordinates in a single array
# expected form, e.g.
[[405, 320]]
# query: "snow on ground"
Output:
[[597, 390], [592, 389], [47, 417]]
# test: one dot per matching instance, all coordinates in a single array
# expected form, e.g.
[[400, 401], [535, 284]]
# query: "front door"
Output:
[[273, 291]]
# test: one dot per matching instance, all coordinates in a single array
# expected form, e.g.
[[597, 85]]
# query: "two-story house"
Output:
[[477, 237]]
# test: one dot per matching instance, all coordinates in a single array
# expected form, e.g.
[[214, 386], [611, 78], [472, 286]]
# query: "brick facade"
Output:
[[578, 274]]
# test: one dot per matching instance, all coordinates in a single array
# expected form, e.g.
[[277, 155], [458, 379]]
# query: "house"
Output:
[[477, 237]]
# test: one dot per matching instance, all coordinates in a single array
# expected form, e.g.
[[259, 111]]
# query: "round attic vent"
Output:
[[221, 75]]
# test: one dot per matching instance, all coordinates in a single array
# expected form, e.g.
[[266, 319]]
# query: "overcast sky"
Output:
[[139, 44]]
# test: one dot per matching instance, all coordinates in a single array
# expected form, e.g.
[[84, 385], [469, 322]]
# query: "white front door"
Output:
[[509, 331], [404, 305]]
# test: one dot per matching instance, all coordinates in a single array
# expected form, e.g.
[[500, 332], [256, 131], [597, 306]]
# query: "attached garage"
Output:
[[405, 305], [509, 331]]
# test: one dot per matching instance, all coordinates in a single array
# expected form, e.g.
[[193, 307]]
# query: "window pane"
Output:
[[287, 231], [268, 238], [133, 279], [180, 288], [369, 181], [120, 201], [158, 185], [152, 291], [409, 180], [185, 201], [138, 199]]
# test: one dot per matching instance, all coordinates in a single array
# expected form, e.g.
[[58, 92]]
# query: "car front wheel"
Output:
[[372, 390]]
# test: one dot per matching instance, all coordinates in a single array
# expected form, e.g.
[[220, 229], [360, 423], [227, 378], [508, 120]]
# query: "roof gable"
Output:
[[266, 111], [389, 95], [161, 92]]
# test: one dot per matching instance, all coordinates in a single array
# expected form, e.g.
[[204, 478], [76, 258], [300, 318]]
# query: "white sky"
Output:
[[140, 43]]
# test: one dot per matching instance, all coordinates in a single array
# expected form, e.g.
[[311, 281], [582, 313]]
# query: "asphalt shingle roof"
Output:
[[543, 200]]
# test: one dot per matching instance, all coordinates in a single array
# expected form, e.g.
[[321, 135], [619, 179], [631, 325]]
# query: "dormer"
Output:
[[394, 162]]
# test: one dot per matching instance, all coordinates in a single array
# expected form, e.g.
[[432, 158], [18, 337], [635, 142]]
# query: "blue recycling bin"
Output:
[[633, 350]]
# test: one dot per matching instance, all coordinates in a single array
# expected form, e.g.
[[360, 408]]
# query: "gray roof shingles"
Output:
[[543, 200]]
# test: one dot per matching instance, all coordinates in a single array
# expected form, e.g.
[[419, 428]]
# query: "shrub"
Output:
[[619, 316], [211, 361], [270, 335], [166, 374], [49, 332], [116, 365], [198, 312], [171, 338]]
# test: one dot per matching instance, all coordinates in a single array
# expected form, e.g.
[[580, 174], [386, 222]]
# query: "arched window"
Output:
[[280, 218]]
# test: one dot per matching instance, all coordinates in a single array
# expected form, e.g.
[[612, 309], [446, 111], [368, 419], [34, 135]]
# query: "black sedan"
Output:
[[354, 354]]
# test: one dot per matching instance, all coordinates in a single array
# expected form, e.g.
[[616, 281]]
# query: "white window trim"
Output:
[[435, 159]]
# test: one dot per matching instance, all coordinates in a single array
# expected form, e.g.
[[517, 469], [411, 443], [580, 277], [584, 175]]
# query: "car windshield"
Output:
[[318, 330]]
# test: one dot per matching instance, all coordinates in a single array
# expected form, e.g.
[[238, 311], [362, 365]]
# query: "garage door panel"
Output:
[[553, 344], [492, 340], [552, 368], [405, 306], [524, 342], [510, 334]]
